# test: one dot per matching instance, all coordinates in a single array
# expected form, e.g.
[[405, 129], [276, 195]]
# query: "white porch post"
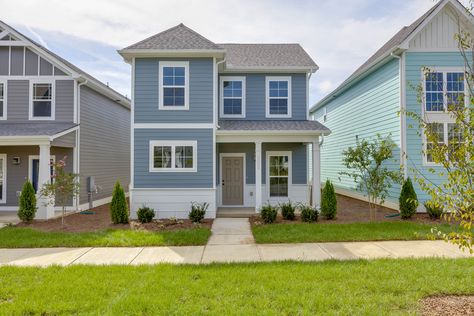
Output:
[[316, 198], [45, 209], [258, 175]]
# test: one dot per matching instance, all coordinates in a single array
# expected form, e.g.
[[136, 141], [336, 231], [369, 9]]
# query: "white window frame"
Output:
[[52, 82], [243, 98], [173, 144], [4, 172], [267, 96], [163, 64], [290, 173], [30, 166], [4, 82]]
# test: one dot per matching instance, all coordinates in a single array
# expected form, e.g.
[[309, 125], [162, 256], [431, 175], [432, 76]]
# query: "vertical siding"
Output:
[[365, 109], [415, 62], [31, 63], [200, 92], [104, 143], [256, 94]]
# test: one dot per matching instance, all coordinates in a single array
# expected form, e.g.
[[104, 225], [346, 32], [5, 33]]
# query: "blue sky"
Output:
[[338, 34]]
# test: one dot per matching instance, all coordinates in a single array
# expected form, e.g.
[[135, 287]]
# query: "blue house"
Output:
[[376, 96], [226, 124]]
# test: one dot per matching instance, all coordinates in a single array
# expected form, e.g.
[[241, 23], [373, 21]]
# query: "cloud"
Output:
[[339, 35]]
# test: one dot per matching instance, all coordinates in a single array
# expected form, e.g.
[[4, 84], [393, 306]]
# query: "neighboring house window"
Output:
[[3, 182], [279, 170], [3, 96], [455, 138], [278, 100], [443, 89], [448, 134], [174, 86], [173, 156], [232, 97], [438, 130], [42, 101]]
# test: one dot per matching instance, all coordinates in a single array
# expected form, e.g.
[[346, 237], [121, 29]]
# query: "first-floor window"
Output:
[[42, 100], [279, 170], [3, 169], [173, 155], [446, 134]]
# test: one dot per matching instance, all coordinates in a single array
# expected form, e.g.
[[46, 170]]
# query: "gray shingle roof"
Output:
[[178, 37], [34, 129], [267, 55], [272, 125]]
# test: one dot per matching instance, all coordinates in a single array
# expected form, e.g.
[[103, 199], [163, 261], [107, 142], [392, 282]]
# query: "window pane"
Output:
[[232, 89], [434, 101], [42, 91], [279, 187], [278, 106], [173, 76], [173, 96], [162, 157], [1, 108], [184, 157], [455, 137], [1, 91], [232, 106], [42, 108]]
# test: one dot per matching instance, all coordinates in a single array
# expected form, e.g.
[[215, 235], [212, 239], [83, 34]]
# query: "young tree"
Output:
[[62, 187], [27, 209], [366, 166], [119, 206]]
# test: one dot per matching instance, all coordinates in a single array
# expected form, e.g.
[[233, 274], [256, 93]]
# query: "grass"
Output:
[[16, 237], [378, 287], [305, 232]]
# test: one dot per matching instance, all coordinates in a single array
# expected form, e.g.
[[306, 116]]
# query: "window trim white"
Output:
[[172, 144], [267, 96], [163, 64], [221, 99], [5, 91], [290, 173], [52, 82], [4, 172], [30, 165]]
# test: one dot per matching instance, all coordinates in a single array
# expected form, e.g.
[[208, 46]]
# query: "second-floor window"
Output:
[[278, 97], [174, 85], [2, 100], [443, 90], [42, 101], [232, 97]]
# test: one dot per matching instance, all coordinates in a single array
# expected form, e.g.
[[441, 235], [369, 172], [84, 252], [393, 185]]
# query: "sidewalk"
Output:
[[229, 253]]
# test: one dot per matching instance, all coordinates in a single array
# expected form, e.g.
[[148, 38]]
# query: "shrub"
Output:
[[198, 211], [118, 206], [309, 214], [268, 213], [288, 210], [27, 209], [328, 201], [433, 209], [145, 214], [408, 200]]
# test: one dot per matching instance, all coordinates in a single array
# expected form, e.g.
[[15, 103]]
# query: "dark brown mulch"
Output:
[[351, 210], [101, 220], [449, 305]]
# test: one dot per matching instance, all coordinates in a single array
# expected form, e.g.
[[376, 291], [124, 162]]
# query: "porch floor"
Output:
[[235, 212]]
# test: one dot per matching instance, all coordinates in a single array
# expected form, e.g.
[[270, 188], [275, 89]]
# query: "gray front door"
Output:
[[232, 180]]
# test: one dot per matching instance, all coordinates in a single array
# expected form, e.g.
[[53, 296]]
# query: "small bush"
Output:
[[118, 206], [198, 211], [408, 200], [433, 209], [328, 201], [145, 214], [27, 209], [309, 214], [268, 213], [288, 210]]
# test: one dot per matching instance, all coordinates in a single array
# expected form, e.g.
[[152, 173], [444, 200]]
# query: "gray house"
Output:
[[225, 124], [50, 109]]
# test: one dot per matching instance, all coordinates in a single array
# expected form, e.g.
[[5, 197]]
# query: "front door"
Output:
[[232, 180]]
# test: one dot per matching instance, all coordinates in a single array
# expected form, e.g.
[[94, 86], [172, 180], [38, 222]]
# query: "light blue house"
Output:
[[370, 100], [226, 124]]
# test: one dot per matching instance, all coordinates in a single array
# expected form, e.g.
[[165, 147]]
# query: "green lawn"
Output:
[[316, 232], [378, 287], [16, 237]]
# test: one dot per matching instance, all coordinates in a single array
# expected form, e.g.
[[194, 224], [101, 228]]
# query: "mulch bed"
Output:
[[449, 305], [351, 210], [100, 220]]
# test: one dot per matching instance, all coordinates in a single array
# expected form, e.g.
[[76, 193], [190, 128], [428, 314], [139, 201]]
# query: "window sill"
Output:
[[173, 170], [41, 118], [173, 108]]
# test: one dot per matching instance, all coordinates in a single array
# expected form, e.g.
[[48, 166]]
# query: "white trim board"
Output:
[[173, 125], [4, 82], [4, 172]]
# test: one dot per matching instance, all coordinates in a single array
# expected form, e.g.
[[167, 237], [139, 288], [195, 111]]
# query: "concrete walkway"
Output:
[[229, 253]]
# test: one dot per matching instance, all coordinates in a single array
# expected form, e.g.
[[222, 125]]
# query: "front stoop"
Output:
[[235, 212]]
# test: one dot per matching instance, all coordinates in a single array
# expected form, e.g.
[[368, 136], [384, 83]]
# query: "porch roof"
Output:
[[34, 129], [274, 126]]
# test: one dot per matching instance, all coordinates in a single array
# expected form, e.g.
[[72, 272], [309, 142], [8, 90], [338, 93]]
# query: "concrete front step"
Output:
[[237, 212]]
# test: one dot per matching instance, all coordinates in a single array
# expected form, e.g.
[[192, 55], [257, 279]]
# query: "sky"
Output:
[[338, 34]]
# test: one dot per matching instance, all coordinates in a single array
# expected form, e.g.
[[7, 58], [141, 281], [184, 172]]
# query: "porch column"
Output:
[[45, 208], [316, 191], [258, 176]]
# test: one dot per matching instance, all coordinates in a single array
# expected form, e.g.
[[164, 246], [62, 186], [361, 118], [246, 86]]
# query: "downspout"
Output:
[[217, 92], [401, 74], [78, 135]]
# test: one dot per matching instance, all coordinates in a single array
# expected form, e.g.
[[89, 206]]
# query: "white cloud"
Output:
[[339, 35]]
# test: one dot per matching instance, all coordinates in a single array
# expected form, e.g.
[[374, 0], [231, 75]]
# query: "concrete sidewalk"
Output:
[[229, 253]]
